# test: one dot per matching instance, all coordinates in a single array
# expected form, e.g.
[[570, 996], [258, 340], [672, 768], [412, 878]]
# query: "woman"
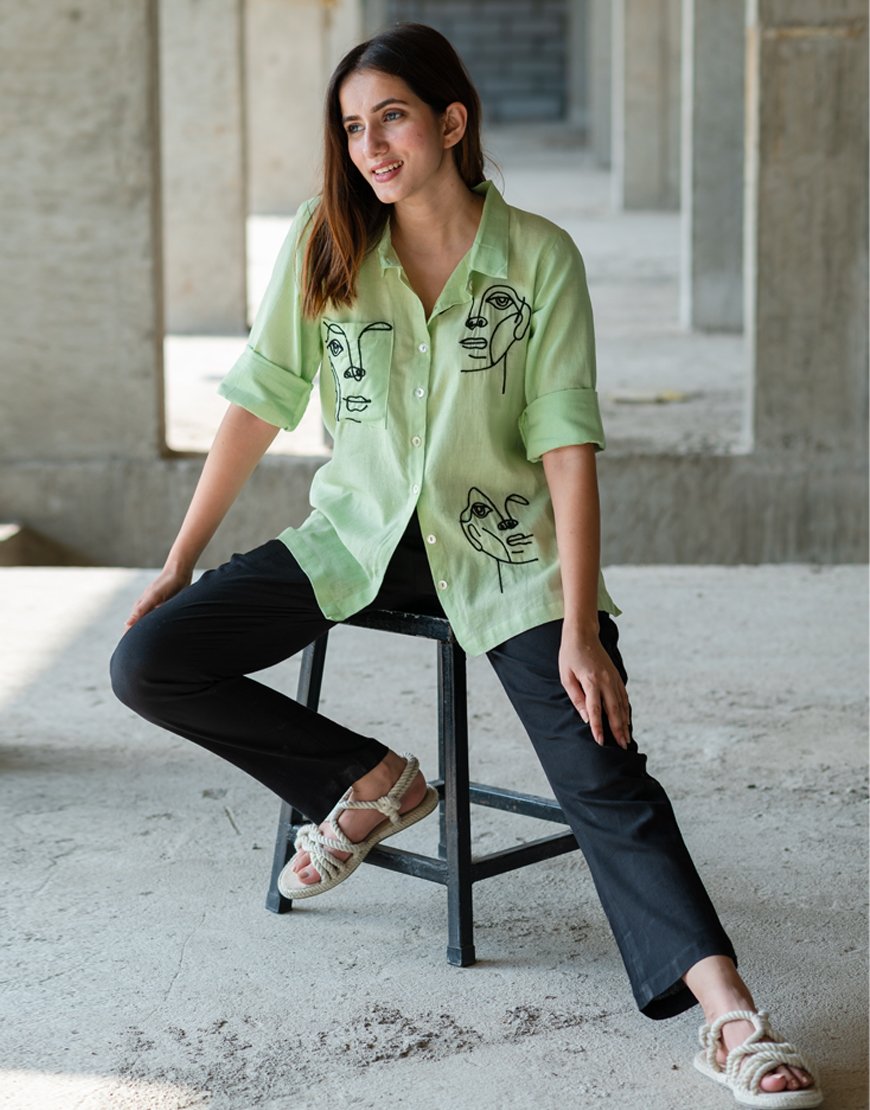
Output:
[[458, 380]]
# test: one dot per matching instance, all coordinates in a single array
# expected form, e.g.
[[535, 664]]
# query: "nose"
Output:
[[475, 322], [508, 522], [375, 142]]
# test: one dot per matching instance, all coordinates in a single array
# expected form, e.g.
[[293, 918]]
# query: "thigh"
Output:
[[527, 666], [250, 613]]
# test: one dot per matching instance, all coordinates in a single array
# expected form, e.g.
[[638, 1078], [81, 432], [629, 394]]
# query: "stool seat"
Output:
[[455, 867]]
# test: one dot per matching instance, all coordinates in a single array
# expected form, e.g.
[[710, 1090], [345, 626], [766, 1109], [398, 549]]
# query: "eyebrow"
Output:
[[378, 106]]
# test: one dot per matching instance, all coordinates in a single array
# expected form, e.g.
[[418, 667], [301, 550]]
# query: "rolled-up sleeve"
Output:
[[273, 376], [561, 401]]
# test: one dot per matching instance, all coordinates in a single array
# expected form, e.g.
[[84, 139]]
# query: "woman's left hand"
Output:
[[594, 686]]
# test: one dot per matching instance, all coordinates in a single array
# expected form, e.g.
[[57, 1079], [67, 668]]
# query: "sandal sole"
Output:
[[774, 1100]]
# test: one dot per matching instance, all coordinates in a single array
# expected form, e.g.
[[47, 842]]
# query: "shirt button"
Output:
[[416, 441], [442, 585], [430, 538], [423, 348], [415, 489], [418, 392]]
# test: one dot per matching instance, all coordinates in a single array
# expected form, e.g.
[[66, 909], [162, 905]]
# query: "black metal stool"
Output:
[[454, 866]]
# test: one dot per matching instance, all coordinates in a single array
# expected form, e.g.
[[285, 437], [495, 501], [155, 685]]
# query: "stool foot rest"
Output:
[[455, 867]]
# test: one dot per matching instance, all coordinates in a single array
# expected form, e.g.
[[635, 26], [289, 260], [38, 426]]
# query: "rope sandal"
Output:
[[319, 846], [748, 1063]]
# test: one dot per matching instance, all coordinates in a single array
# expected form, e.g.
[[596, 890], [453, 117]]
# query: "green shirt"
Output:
[[447, 416]]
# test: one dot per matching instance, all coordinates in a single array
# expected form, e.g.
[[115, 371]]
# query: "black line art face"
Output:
[[345, 354], [497, 321], [496, 533]]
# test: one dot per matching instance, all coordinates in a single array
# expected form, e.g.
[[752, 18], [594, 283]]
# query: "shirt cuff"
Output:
[[276, 395], [561, 419]]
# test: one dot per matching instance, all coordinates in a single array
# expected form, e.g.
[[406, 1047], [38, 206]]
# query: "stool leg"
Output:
[[453, 743], [307, 693]]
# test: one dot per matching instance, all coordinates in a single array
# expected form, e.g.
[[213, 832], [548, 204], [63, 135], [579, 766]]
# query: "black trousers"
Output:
[[185, 666]]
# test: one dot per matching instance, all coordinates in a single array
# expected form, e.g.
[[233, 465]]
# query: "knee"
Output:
[[134, 669]]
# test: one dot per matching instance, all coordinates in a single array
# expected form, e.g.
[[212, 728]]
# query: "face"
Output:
[[494, 532], [394, 139]]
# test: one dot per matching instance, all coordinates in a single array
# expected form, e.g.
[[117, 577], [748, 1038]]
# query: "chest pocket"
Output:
[[359, 356]]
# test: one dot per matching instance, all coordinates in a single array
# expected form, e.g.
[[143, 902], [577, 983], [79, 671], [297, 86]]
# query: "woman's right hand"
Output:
[[167, 584]]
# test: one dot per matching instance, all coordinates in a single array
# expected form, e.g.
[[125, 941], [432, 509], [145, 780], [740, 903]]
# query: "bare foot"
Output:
[[784, 1078], [356, 824], [718, 986]]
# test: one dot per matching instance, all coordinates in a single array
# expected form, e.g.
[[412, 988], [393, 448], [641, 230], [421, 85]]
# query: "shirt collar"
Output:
[[489, 251]]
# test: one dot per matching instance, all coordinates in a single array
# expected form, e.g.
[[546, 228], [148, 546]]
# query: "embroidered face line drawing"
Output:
[[497, 321], [346, 363], [496, 533]]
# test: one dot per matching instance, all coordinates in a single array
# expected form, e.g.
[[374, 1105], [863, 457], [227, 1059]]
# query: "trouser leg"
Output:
[[660, 913], [184, 666]]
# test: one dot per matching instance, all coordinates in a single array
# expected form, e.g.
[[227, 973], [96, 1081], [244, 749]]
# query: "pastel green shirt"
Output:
[[447, 416]]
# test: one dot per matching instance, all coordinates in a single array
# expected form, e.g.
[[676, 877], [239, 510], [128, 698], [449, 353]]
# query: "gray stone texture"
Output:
[[711, 278], [806, 231], [291, 48], [81, 342], [516, 52], [203, 160], [646, 103], [600, 78], [142, 971]]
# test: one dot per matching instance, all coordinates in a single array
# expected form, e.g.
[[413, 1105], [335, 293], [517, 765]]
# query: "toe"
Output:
[[774, 1082]]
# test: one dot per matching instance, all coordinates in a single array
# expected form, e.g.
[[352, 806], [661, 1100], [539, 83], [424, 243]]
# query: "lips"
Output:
[[382, 172], [519, 539], [473, 344]]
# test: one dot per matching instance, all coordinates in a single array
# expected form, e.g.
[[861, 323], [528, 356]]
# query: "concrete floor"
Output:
[[661, 388], [140, 969]]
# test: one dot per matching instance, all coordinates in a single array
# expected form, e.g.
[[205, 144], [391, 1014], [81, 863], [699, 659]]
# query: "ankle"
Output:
[[380, 779]]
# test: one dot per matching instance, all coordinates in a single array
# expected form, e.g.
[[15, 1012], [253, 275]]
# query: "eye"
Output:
[[480, 509], [501, 301], [392, 114], [334, 347], [353, 128]]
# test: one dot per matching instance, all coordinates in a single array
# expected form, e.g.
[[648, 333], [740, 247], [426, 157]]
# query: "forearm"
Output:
[[573, 483], [239, 444]]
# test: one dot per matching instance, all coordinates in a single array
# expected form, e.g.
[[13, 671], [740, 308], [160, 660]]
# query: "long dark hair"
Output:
[[350, 219]]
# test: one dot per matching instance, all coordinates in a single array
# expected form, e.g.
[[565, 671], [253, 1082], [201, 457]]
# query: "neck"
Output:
[[446, 216]]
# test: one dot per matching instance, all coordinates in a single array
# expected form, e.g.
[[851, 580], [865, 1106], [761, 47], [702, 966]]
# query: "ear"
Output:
[[454, 120]]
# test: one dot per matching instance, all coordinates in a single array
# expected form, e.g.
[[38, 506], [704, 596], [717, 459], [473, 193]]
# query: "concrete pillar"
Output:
[[204, 180], [291, 48], [600, 49], [81, 342], [711, 271], [646, 103], [577, 66], [806, 228]]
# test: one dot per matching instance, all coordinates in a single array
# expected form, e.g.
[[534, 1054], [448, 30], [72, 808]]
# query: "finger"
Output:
[[578, 698], [593, 708], [617, 716]]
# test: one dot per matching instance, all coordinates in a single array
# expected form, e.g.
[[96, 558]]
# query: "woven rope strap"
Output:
[[748, 1063], [320, 846], [389, 803]]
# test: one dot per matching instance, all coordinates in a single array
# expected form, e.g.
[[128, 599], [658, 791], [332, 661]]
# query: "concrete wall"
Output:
[[203, 156], [711, 195], [82, 459], [599, 74], [646, 103], [806, 246], [81, 342], [291, 48]]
